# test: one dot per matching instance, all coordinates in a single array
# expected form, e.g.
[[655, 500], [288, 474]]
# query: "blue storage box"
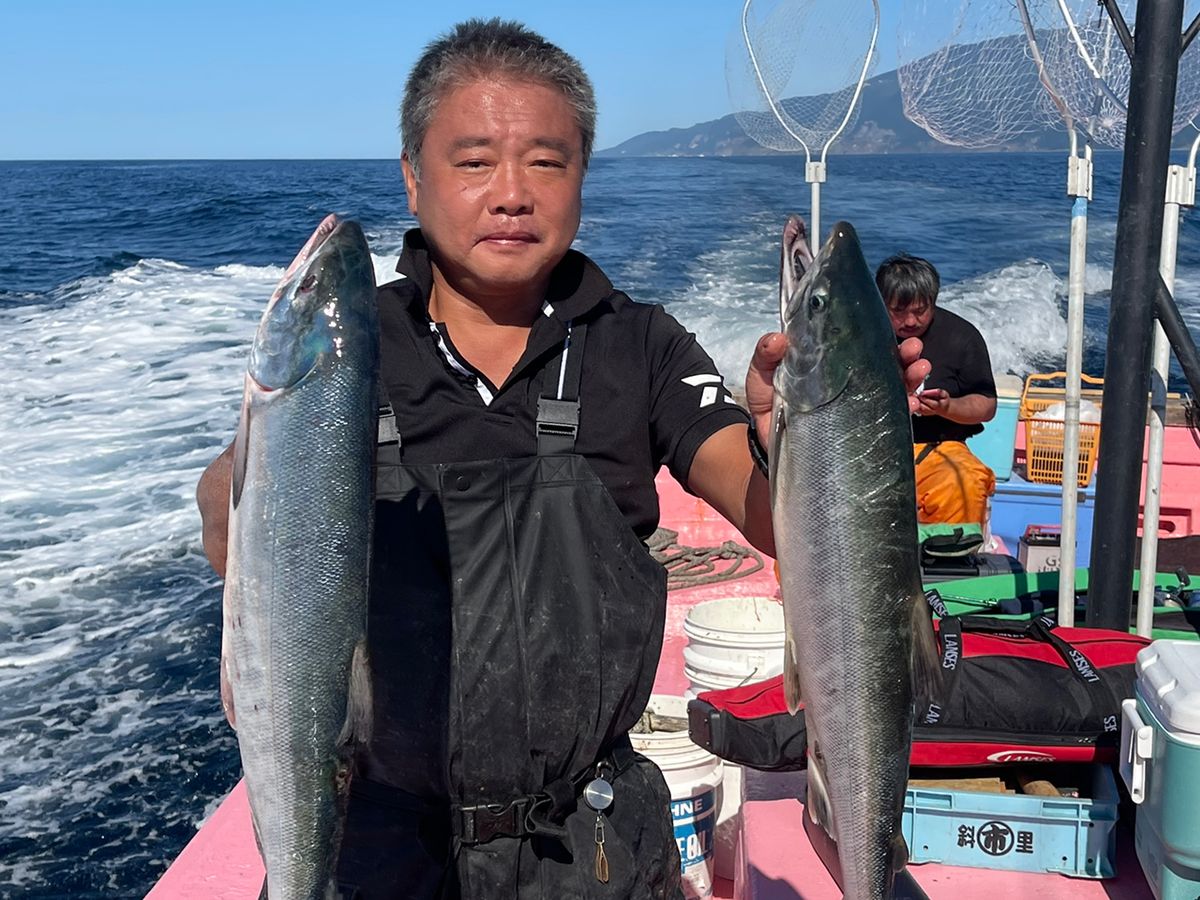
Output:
[[994, 445], [1160, 763], [1017, 832], [1018, 503]]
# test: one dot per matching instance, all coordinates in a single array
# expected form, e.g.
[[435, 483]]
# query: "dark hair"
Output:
[[481, 47], [903, 280]]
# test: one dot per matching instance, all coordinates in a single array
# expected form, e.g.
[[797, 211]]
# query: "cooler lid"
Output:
[[1168, 678]]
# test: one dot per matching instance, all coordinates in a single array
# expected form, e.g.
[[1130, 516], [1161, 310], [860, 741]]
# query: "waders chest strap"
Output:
[[558, 405], [387, 443]]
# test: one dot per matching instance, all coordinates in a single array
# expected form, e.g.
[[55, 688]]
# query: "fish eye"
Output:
[[817, 302]]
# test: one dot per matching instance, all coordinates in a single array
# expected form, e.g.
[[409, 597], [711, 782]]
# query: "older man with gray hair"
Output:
[[516, 617]]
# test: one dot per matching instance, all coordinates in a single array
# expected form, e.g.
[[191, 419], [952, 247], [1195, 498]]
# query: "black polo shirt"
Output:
[[961, 366], [650, 395]]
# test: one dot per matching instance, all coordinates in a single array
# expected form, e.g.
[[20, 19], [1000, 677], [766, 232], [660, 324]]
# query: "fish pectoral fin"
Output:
[[359, 712], [926, 662], [241, 441], [899, 853], [820, 809], [791, 677]]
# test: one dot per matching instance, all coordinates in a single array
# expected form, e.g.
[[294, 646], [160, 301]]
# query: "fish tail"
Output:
[[926, 662]]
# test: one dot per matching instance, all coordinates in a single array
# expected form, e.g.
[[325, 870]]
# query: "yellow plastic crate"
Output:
[[1044, 437]]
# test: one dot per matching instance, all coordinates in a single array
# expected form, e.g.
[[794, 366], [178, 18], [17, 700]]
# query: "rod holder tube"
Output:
[[1152, 499], [1074, 368]]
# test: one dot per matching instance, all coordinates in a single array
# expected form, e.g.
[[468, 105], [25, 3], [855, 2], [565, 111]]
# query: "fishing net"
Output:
[[792, 68], [1088, 68], [966, 73]]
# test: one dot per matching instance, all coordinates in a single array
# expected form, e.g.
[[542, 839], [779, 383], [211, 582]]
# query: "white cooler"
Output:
[[1160, 763]]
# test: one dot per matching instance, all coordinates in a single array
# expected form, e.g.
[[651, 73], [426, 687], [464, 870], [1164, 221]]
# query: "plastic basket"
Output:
[[1017, 832], [1044, 437]]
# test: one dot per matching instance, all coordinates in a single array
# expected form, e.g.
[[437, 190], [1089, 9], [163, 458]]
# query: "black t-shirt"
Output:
[[961, 366], [650, 395]]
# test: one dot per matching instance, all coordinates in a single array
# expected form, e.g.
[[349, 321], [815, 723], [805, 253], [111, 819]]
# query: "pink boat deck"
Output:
[[776, 861]]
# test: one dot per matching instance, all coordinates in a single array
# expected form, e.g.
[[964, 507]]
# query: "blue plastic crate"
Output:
[[994, 445], [1018, 503], [1017, 832]]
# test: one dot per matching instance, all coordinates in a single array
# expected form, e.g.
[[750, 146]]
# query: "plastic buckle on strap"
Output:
[[387, 433], [480, 824], [558, 417]]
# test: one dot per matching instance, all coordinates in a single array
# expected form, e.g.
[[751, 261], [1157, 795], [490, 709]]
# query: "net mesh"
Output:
[[968, 77], [1089, 69], [792, 68]]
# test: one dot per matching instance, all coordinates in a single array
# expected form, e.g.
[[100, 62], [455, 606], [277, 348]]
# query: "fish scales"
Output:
[[853, 666], [845, 529], [296, 583]]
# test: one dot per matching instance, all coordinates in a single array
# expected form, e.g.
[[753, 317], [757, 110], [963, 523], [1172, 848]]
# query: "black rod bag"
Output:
[[1013, 692]]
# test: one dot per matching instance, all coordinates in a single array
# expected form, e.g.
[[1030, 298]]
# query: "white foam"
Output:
[[58, 651], [1019, 308], [115, 399]]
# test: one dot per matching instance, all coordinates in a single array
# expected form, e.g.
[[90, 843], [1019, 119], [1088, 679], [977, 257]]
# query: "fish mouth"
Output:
[[796, 258], [316, 240]]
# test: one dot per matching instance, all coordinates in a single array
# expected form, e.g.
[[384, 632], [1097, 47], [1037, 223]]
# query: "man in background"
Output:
[[953, 485]]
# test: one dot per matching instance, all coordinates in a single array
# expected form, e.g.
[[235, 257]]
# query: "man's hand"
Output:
[[760, 389], [915, 370], [933, 402], [760, 381]]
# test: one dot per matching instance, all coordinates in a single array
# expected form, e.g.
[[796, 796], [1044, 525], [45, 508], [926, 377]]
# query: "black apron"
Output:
[[514, 632]]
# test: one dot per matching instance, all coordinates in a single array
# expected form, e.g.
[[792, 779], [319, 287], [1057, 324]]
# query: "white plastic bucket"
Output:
[[694, 777], [732, 641]]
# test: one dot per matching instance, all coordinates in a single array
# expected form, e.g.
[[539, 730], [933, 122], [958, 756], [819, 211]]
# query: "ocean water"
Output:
[[129, 292]]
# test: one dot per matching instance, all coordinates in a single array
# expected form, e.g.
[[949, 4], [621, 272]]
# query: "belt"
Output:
[[929, 447], [541, 813]]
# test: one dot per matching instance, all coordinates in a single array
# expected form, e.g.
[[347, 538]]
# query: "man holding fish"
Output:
[[515, 617]]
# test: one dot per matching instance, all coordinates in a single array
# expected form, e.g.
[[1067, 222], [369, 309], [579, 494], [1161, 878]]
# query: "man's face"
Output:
[[499, 195], [911, 321]]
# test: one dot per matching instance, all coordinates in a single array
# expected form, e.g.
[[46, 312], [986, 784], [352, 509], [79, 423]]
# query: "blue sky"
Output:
[[127, 79]]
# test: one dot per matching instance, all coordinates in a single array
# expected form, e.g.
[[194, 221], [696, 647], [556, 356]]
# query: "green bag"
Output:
[[949, 540]]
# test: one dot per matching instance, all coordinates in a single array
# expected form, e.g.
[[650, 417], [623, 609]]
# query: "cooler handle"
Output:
[[1137, 745]]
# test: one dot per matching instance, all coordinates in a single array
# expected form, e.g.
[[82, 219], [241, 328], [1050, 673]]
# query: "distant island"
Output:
[[881, 127]]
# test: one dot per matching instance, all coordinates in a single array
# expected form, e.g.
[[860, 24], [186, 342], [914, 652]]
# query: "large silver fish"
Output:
[[844, 511], [295, 609]]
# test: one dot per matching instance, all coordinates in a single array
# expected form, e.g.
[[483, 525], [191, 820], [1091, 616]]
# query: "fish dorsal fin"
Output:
[[791, 677], [926, 662], [820, 809]]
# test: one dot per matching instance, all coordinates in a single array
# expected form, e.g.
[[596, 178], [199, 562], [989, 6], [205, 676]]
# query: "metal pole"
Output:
[[1177, 196], [1180, 338], [1079, 186], [1135, 275], [814, 172]]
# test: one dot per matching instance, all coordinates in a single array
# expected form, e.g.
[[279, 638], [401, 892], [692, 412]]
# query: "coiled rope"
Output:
[[693, 566]]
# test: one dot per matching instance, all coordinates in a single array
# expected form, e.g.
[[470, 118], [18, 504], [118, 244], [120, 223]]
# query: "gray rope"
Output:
[[693, 566]]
